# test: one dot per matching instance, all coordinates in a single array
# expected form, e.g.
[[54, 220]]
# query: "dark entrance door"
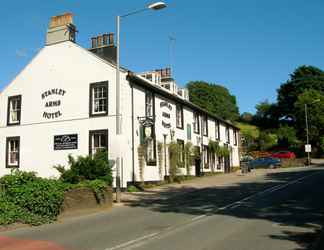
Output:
[[197, 167], [227, 164]]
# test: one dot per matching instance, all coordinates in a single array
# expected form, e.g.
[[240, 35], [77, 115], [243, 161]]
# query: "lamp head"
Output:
[[157, 5]]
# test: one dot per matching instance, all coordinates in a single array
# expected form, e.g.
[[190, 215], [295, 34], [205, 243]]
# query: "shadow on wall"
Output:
[[297, 209]]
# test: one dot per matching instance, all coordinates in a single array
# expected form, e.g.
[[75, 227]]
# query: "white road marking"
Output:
[[140, 241], [131, 242], [198, 217]]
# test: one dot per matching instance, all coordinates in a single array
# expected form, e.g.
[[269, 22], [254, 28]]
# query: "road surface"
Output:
[[281, 210]]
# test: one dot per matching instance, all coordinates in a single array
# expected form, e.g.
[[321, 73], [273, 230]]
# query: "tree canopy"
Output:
[[302, 79], [214, 98], [286, 117]]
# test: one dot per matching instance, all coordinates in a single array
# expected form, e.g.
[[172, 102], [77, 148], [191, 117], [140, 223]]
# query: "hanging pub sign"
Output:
[[64, 142]]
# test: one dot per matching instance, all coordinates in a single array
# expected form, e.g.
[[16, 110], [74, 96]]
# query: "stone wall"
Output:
[[85, 198]]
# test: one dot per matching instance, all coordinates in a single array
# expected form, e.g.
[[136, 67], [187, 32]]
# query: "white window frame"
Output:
[[179, 116], [99, 98], [196, 126], [99, 94], [14, 110], [95, 148], [13, 151], [149, 104]]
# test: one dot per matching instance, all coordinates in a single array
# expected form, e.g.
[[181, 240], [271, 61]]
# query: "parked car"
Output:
[[267, 162], [284, 155]]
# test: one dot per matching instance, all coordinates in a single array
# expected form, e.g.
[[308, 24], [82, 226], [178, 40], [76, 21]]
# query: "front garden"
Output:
[[28, 199]]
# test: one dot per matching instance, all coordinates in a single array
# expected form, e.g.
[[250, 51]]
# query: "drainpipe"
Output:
[[165, 155], [133, 143], [202, 148]]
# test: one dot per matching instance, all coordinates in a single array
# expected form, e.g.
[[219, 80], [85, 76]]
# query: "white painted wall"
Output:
[[71, 68]]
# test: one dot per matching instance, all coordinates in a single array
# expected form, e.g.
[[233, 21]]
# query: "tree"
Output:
[[214, 98], [266, 140], [315, 116], [302, 79], [267, 115], [246, 117], [286, 136]]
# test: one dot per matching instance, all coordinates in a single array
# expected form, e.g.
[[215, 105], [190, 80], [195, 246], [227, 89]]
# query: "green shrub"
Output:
[[11, 213], [36, 195], [132, 189], [87, 168]]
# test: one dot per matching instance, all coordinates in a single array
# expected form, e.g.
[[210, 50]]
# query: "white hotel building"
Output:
[[63, 103]]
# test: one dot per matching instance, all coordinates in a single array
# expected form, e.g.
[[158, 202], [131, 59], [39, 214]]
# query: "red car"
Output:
[[284, 155]]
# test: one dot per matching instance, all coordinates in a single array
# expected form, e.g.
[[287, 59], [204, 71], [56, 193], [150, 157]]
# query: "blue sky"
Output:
[[249, 46]]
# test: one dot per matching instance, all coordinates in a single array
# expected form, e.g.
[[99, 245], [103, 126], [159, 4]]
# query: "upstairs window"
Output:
[[227, 132], [14, 110], [205, 125], [12, 152], [179, 116], [196, 123], [217, 130], [235, 137], [99, 99], [98, 140], [149, 104]]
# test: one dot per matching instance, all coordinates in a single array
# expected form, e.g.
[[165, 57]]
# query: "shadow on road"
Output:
[[302, 206]]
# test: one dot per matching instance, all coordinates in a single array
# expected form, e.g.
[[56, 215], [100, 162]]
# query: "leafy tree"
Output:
[[286, 136], [246, 117], [266, 140], [214, 98], [266, 116], [302, 79], [315, 116]]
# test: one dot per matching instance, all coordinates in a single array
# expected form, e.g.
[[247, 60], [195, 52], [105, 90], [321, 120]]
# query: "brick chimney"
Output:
[[61, 29], [104, 46]]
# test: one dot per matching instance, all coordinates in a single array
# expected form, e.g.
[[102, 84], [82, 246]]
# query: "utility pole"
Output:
[[307, 136]]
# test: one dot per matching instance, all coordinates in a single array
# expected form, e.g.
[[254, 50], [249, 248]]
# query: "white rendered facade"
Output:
[[55, 95]]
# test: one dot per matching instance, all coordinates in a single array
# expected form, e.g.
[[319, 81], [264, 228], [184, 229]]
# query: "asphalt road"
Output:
[[282, 210]]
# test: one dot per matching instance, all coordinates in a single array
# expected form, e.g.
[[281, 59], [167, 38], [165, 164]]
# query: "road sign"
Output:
[[308, 148]]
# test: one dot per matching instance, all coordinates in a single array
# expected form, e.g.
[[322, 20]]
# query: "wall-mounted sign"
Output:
[[50, 104], [166, 114], [64, 142], [166, 125], [165, 104], [308, 148]]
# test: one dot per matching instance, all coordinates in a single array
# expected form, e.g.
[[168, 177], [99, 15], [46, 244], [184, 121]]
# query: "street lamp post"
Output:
[[153, 6], [307, 130]]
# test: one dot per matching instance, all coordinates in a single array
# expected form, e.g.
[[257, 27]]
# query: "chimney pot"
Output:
[[105, 39], [111, 39], [61, 20], [99, 41], [93, 42]]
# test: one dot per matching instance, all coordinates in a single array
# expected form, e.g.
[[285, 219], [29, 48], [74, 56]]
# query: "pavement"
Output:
[[266, 209]]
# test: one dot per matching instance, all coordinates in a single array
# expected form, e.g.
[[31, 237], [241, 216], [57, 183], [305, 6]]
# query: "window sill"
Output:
[[12, 166], [98, 114], [13, 124], [151, 163]]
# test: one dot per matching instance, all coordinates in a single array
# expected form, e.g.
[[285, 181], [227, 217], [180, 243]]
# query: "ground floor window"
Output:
[[12, 152], [181, 157], [220, 163], [206, 156], [98, 140]]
